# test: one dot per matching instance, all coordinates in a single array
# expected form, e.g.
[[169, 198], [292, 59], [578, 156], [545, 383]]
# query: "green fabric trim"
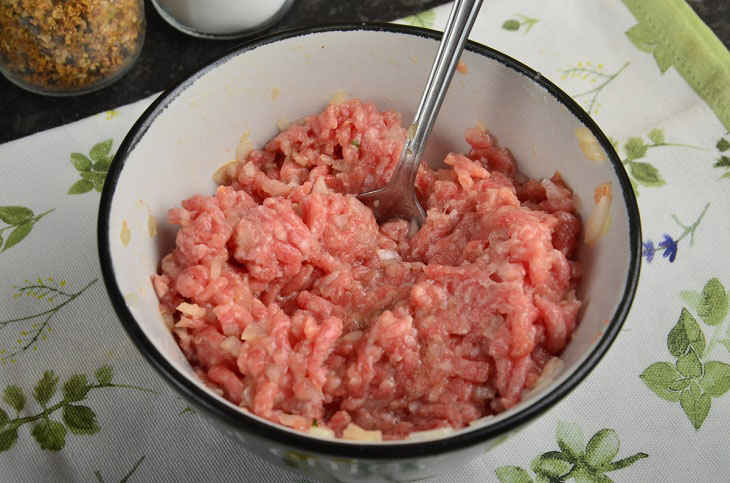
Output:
[[677, 36]]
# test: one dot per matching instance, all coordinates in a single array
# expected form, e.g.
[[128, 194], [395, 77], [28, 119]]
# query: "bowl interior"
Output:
[[172, 153]]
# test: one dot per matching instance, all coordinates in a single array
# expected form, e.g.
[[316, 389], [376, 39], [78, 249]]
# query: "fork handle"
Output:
[[461, 19]]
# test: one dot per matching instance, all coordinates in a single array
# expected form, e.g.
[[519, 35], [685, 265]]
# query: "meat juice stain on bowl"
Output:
[[288, 297]]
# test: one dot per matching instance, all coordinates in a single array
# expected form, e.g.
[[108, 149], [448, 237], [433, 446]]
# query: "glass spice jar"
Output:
[[66, 47]]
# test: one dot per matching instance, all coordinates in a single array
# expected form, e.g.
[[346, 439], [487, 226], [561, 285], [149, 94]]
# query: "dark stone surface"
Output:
[[169, 55]]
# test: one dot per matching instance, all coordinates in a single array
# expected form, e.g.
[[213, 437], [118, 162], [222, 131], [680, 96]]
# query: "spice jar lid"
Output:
[[222, 19]]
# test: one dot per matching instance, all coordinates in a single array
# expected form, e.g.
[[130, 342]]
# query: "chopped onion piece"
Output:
[[341, 221], [293, 421], [283, 124], [589, 144], [300, 159], [412, 227], [319, 186], [339, 98], [193, 311], [384, 254], [251, 332], [479, 421], [430, 434], [551, 369], [598, 221], [182, 334], [244, 147], [226, 173], [552, 190], [321, 432], [352, 337], [216, 267], [275, 187], [249, 169], [232, 345], [168, 319], [356, 433]]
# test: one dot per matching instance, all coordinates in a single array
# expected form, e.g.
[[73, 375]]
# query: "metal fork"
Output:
[[397, 199]]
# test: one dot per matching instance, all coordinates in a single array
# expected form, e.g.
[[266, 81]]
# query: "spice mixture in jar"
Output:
[[69, 46]]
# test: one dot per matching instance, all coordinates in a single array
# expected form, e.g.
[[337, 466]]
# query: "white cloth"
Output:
[[152, 437]]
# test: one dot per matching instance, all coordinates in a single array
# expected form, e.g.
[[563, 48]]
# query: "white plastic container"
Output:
[[221, 19]]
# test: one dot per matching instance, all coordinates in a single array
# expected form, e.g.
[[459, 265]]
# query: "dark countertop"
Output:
[[168, 55]]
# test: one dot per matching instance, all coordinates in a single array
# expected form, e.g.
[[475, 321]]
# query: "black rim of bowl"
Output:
[[270, 432]]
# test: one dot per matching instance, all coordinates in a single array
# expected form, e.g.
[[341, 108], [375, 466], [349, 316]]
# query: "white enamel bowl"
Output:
[[192, 129]]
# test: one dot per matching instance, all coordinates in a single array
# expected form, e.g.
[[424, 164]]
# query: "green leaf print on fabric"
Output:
[[93, 168], [186, 409], [685, 335], [19, 221], [104, 375], [46, 388], [592, 74], [723, 160], [713, 303], [80, 419], [101, 150], [50, 434], [646, 174], [574, 460], [13, 215], [14, 397], [424, 19], [717, 378], [521, 21], [513, 474], [126, 477], [693, 380], [664, 380], [76, 388], [36, 326], [676, 36], [636, 148]]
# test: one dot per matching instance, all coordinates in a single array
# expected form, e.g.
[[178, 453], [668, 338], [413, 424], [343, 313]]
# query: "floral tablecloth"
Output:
[[79, 403]]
